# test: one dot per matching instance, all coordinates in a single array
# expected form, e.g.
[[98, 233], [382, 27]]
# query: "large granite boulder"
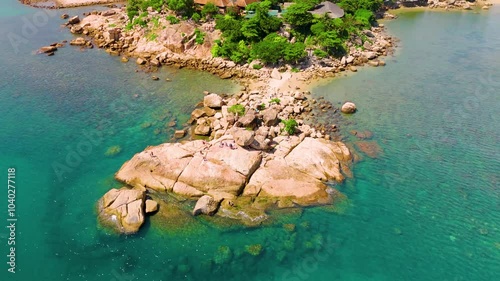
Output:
[[151, 206], [156, 167], [247, 120], [206, 205], [317, 158], [270, 117], [299, 171], [123, 209], [279, 180], [206, 175], [192, 169], [212, 101], [242, 137], [74, 20]]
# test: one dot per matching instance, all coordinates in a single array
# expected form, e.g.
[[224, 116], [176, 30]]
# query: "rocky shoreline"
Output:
[[162, 43], [61, 4]]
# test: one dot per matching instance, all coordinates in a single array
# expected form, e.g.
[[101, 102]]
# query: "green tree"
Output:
[[209, 10], [298, 14], [230, 27], [251, 30], [196, 17], [294, 52], [133, 7], [364, 18], [351, 6], [181, 6], [269, 50]]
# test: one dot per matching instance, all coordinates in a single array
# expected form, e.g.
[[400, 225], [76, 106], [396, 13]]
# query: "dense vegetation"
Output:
[[272, 39]]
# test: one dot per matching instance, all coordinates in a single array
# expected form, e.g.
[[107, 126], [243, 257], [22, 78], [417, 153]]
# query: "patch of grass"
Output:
[[295, 70], [172, 19], [237, 109], [257, 66], [112, 25], [275, 100], [200, 36], [129, 26], [152, 36], [290, 126], [320, 53], [156, 22]]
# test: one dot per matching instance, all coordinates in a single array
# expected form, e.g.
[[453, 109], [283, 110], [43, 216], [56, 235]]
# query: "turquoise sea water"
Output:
[[427, 208]]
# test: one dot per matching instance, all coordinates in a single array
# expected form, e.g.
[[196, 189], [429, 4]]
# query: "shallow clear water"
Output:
[[427, 208]]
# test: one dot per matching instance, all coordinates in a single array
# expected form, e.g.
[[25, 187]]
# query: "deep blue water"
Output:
[[427, 208]]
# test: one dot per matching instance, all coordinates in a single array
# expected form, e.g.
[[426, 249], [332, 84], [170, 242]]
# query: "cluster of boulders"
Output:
[[124, 209], [440, 4], [248, 162], [457, 4], [259, 119], [60, 4]]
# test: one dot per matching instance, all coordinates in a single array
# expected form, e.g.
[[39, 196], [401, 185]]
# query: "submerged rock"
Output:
[[47, 49], [348, 107], [370, 148]]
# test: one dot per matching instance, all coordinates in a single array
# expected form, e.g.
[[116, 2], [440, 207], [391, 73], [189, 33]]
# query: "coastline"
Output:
[[62, 4], [174, 45]]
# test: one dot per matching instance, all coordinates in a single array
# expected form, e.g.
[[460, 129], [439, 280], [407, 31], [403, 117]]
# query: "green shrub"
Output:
[[275, 100], [237, 109], [200, 36], [320, 53], [196, 17], [209, 10], [364, 18], [257, 66], [180, 6], [172, 19], [290, 126]]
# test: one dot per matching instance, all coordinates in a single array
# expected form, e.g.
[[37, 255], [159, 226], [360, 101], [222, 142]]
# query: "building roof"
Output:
[[226, 3], [330, 9]]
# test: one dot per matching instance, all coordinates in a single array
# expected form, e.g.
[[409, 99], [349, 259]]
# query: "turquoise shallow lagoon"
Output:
[[427, 208]]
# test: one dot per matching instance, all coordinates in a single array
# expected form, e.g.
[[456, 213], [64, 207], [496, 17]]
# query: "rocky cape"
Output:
[[246, 165]]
